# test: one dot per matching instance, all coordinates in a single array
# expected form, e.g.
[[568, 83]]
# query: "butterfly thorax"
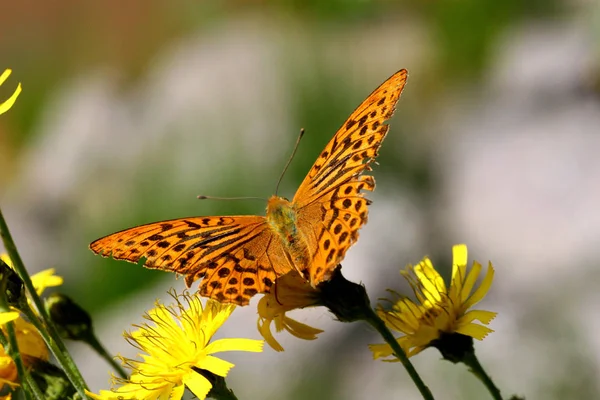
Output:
[[283, 220]]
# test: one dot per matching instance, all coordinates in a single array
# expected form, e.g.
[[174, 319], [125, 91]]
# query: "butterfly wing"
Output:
[[237, 256], [330, 204]]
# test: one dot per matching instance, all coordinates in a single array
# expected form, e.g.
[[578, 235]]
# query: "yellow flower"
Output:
[[289, 292], [40, 280], [176, 343], [8, 316], [438, 312], [7, 104], [31, 347]]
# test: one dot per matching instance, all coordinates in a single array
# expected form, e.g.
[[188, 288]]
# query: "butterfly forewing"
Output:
[[330, 195], [226, 251]]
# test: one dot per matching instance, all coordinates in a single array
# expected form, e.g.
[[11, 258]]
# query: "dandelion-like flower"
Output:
[[7, 104], [289, 292], [177, 344], [439, 313]]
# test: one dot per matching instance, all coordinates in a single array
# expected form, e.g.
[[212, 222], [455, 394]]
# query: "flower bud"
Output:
[[348, 301], [72, 321]]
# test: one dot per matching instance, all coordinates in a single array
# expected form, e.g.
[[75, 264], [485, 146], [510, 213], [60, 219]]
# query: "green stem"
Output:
[[33, 386], [383, 330], [29, 384], [12, 348], [50, 335], [97, 346], [60, 353], [475, 367]]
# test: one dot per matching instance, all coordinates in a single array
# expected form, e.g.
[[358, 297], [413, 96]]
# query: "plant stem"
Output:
[[61, 355], [475, 367], [12, 348], [97, 346], [11, 343], [46, 328], [383, 330]]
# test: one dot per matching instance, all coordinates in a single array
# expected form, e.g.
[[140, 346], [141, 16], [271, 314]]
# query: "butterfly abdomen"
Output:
[[283, 220]]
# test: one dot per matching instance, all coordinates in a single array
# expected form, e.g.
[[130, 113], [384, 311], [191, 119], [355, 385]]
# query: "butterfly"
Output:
[[240, 256]]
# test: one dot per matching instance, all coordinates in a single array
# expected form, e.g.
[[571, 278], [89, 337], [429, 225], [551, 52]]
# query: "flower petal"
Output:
[[430, 281], [8, 316], [468, 283], [4, 257], [264, 328], [476, 331], [215, 365], [483, 288], [177, 392], [214, 315], [301, 330], [7, 104], [381, 350], [45, 279], [482, 316], [459, 266], [220, 345], [197, 384]]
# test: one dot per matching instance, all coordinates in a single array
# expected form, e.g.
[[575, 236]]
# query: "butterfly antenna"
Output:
[[202, 197], [290, 159]]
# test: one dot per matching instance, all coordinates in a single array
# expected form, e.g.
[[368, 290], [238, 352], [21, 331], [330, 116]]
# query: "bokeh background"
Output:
[[131, 109]]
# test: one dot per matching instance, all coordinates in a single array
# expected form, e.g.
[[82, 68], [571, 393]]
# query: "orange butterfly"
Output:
[[240, 256]]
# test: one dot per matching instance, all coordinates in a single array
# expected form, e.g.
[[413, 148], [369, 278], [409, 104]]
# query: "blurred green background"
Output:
[[132, 109]]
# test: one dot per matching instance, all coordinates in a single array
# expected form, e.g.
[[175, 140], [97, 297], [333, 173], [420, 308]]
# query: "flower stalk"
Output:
[[349, 302], [475, 367], [377, 323]]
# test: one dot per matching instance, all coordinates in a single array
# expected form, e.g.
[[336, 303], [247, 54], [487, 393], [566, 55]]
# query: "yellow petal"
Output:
[[264, 328], [300, 330], [197, 384], [459, 265], [482, 316], [5, 75], [459, 254], [469, 282], [177, 392], [483, 288], [220, 345], [215, 365], [430, 280], [7, 104], [30, 341], [381, 350], [8, 316], [45, 279], [6, 259], [214, 315], [476, 331]]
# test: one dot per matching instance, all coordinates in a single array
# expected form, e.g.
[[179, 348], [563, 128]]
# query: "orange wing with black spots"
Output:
[[237, 256], [330, 203]]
